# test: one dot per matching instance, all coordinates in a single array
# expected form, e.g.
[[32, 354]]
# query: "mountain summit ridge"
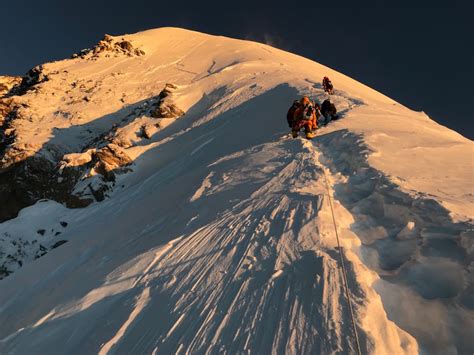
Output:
[[206, 227]]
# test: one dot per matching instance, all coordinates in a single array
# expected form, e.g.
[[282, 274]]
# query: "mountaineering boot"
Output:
[[310, 135], [294, 133]]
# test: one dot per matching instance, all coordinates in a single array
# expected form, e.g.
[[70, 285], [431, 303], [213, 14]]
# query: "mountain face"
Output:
[[153, 179], [29, 164]]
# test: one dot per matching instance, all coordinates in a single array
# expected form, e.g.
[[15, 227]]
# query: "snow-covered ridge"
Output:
[[217, 233]]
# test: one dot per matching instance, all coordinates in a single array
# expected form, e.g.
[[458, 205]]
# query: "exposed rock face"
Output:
[[166, 108], [32, 77], [5, 108], [93, 172], [110, 159], [64, 136], [6, 111], [147, 130], [7, 83], [23, 184], [11, 111], [25, 177], [30, 171], [110, 45]]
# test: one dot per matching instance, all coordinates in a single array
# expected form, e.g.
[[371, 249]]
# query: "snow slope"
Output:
[[222, 238]]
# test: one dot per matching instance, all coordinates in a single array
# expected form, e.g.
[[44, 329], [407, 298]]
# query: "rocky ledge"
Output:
[[108, 46]]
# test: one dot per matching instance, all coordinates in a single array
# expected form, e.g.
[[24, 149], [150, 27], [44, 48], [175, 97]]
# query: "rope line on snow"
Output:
[[346, 287]]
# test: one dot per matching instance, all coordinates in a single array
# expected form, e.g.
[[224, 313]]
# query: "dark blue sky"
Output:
[[420, 55]]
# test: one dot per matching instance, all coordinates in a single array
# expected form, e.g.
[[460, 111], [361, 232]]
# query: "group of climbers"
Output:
[[308, 115]]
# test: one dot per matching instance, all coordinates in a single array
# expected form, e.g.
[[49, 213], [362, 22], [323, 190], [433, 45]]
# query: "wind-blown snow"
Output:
[[221, 239]]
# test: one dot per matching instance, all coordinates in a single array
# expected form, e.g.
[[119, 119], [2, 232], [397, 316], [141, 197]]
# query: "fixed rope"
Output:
[[344, 274]]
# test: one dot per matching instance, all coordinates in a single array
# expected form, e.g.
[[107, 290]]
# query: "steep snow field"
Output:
[[221, 239]]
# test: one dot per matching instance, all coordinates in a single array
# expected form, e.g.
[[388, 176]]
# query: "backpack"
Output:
[[328, 108], [325, 106], [291, 112]]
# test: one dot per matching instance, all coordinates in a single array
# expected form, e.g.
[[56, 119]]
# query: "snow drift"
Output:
[[212, 231]]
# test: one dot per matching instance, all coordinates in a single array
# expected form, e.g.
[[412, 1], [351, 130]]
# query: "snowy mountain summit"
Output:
[[153, 201]]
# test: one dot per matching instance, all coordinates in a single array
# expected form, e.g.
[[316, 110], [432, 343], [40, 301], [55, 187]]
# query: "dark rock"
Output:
[[145, 131], [165, 107], [63, 224], [99, 194], [73, 201], [4, 272], [109, 159], [126, 46], [23, 182], [42, 250], [41, 231], [108, 38], [8, 83], [32, 78], [58, 243], [109, 45]]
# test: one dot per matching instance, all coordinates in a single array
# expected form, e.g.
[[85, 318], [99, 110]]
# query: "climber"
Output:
[[291, 112], [317, 111], [329, 112], [302, 114], [327, 86]]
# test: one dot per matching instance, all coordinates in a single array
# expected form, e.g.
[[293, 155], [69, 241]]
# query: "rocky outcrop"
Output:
[[32, 78], [83, 178], [18, 247], [5, 109], [148, 118], [29, 173], [8, 108], [109, 45], [6, 133], [98, 173], [65, 135], [11, 111], [109, 160], [22, 184], [166, 108], [147, 130], [51, 150], [7, 83], [26, 175]]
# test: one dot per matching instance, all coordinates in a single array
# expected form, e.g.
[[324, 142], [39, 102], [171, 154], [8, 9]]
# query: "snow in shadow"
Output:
[[422, 256]]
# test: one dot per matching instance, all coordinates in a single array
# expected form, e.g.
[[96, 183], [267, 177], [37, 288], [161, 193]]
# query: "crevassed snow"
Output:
[[222, 240]]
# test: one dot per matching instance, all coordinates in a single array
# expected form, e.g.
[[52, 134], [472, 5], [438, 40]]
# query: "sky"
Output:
[[421, 54]]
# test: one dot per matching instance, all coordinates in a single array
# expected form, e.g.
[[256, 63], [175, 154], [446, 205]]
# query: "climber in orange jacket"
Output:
[[303, 114]]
